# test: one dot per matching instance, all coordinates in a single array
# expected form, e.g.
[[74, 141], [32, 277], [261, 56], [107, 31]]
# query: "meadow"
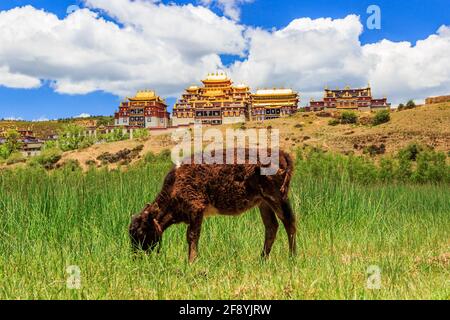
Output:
[[349, 224]]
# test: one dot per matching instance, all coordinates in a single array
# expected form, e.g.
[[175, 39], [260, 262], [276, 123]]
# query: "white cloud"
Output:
[[17, 80], [83, 115], [305, 55], [310, 54], [231, 8], [403, 71], [157, 46], [41, 119], [13, 119], [167, 47]]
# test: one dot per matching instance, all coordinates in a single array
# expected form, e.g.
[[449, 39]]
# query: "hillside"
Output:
[[42, 129], [428, 125]]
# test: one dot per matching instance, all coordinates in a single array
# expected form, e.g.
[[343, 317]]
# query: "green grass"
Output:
[[53, 220]]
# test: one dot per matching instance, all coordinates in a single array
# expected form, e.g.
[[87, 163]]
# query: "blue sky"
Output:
[[401, 21]]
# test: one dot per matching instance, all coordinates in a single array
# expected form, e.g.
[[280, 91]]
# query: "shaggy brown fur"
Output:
[[192, 192]]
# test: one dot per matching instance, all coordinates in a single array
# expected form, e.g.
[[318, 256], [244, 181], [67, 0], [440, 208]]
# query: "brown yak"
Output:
[[192, 192]]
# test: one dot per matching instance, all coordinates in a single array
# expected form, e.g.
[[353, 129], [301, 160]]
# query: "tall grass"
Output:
[[53, 220]]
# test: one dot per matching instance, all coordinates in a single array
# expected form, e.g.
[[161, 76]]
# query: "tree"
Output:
[[4, 152], [73, 137], [381, 116], [13, 142], [410, 104], [105, 121]]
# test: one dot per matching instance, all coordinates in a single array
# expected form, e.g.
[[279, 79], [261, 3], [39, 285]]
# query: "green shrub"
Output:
[[4, 152], [11, 145], [348, 117], [141, 134], [115, 135], [70, 165], [333, 122], [47, 159], [431, 167], [74, 137], [15, 157], [387, 170], [382, 116], [51, 144], [411, 151], [410, 104]]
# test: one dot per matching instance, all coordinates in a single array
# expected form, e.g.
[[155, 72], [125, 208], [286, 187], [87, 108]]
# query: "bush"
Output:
[[410, 104], [71, 165], [4, 152], [333, 122], [47, 159], [115, 135], [141, 134], [11, 145], [374, 150], [51, 144], [431, 166], [411, 151], [387, 170], [348, 117], [73, 137], [382, 116], [15, 157]]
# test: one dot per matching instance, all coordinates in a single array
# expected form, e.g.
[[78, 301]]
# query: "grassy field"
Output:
[[49, 221]]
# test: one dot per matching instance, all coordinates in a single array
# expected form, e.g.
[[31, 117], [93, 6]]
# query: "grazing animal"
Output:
[[192, 192]]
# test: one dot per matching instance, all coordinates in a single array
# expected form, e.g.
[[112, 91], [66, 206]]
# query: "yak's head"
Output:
[[145, 231]]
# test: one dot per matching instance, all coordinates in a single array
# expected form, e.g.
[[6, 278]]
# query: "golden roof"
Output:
[[271, 92], [145, 95], [241, 86], [216, 77]]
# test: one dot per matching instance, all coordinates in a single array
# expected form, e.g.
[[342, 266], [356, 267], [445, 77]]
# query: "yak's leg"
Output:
[[193, 236], [271, 225], [287, 216]]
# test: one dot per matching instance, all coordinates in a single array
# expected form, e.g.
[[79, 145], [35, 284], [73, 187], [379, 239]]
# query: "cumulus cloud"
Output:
[[41, 119], [149, 45], [310, 54], [13, 119], [17, 80], [166, 47], [305, 55], [83, 115], [403, 71], [231, 8]]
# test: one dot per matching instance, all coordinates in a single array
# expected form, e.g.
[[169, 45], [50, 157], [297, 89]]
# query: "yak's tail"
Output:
[[288, 173]]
